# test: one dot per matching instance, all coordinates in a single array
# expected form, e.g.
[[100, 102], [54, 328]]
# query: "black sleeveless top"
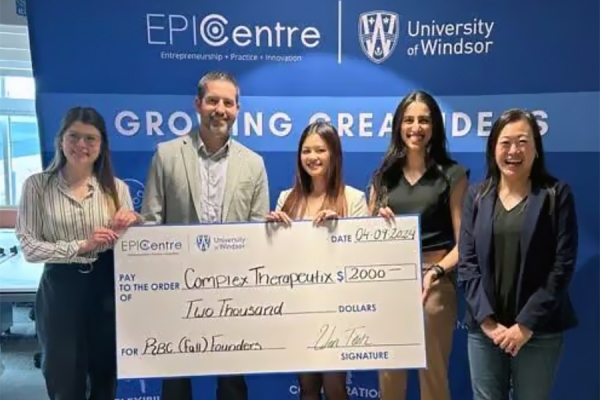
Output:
[[430, 198]]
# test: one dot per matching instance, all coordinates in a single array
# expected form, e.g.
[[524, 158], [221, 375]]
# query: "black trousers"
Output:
[[228, 388], [75, 322]]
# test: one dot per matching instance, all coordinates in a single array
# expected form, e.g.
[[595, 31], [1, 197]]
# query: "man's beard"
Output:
[[219, 127], [220, 130]]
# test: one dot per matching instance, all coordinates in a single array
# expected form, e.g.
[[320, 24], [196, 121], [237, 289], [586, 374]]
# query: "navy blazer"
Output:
[[548, 258]]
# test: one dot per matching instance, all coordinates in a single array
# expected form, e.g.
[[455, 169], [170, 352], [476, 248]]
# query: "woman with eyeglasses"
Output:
[[69, 217]]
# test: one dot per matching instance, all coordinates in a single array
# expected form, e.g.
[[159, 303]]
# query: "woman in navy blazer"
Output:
[[517, 255]]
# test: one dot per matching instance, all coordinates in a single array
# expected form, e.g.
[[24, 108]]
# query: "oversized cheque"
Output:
[[251, 298]]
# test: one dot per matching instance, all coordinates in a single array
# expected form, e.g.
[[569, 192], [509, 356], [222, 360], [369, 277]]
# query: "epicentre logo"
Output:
[[379, 33], [143, 247], [194, 37]]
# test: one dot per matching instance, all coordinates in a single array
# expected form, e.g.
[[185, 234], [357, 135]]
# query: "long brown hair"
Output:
[[102, 169], [335, 199], [389, 173]]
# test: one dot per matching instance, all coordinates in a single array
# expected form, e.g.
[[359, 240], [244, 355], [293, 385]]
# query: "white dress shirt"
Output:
[[51, 223]]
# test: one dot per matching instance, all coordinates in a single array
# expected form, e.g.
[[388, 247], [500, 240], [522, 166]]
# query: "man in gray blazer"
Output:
[[207, 177]]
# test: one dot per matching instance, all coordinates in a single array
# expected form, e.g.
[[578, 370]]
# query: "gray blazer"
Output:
[[172, 191], [356, 200]]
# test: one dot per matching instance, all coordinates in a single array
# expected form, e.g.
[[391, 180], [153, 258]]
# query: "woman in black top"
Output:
[[417, 176], [518, 248]]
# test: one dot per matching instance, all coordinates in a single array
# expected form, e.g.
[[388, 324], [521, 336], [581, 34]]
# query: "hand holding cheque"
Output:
[[254, 298]]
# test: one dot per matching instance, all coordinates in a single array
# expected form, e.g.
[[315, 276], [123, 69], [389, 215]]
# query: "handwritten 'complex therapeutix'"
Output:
[[257, 277]]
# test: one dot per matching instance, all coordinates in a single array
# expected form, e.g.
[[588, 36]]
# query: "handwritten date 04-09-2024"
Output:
[[391, 234]]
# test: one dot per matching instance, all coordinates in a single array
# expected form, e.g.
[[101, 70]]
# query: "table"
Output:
[[19, 279]]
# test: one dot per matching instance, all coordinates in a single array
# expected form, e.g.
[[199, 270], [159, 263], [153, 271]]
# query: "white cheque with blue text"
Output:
[[262, 298]]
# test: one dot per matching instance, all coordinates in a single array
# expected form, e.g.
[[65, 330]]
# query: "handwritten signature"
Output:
[[352, 337]]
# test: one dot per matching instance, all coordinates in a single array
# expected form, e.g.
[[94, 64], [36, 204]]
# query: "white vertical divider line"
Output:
[[339, 32]]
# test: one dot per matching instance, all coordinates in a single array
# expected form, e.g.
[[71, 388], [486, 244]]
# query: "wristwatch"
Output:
[[439, 271]]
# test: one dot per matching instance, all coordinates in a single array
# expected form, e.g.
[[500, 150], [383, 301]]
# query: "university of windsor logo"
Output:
[[378, 33], [203, 242]]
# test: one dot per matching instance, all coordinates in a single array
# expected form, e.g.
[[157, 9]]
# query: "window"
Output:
[[3, 187], [19, 87], [20, 152], [25, 155]]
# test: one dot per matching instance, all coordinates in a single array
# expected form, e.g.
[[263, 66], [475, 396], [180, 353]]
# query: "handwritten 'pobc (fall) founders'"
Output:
[[257, 298]]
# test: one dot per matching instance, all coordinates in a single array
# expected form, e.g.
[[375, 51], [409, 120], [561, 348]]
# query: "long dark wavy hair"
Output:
[[391, 169], [102, 169], [539, 176], [335, 198]]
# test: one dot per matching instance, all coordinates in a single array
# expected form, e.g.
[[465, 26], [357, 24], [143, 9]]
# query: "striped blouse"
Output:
[[51, 224]]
